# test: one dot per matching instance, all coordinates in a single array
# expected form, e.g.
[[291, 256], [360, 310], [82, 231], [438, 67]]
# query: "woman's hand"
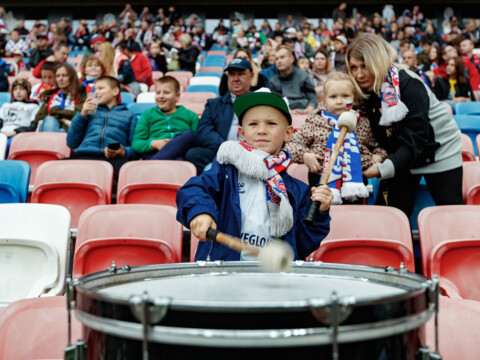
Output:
[[311, 160], [371, 172]]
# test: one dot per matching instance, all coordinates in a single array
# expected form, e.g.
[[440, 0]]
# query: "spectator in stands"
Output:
[[167, 131], [60, 56], [290, 22], [157, 58], [455, 87], [19, 115], [187, 53], [410, 59], [140, 64], [466, 49], [92, 137], [62, 103], [340, 12], [423, 57], [418, 132], [127, 16], [91, 70], [431, 33], [337, 57], [16, 43], [301, 47], [106, 53], [293, 83], [218, 122], [304, 64], [240, 41], [258, 80], [277, 31], [133, 44], [41, 52], [64, 26], [47, 72], [81, 38], [145, 34], [94, 47], [321, 67]]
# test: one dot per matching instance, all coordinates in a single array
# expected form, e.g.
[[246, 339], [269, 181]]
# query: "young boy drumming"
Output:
[[247, 193]]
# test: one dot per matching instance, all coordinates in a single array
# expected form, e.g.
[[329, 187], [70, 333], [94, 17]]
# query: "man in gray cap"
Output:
[[218, 122]]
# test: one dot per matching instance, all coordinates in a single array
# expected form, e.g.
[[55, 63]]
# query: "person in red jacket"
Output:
[[60, 56], [141, 66]]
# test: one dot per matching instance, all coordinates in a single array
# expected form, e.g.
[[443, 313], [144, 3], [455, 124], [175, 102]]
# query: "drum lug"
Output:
[[148, 313], [70, 295], [426, 354], [77, 351], [321, 310]]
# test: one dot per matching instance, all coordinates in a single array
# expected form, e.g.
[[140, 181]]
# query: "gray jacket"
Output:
[[297, 87]]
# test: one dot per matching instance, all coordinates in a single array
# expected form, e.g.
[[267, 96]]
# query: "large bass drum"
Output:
[[233, 310]]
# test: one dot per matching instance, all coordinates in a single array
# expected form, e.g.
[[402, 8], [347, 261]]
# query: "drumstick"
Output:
[[347, 122], [276, 256]]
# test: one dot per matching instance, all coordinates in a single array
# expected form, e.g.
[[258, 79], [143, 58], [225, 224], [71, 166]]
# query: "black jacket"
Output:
[[442, 89]]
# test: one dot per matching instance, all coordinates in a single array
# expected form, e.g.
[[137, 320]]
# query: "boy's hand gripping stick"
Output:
[[276, 256], [347, 122]]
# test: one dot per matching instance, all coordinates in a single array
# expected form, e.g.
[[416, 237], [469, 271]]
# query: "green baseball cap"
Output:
[[262, 96]]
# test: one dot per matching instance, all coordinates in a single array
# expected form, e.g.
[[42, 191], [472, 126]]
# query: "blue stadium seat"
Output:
[[209, 74], [14, 178], [127, 98], [218, 47], [203, 88], [470, 125], [468, 108], [423, 199], [138, 108], [5, 97]]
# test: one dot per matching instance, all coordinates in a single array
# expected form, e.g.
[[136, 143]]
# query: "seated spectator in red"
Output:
[[61, 104], [41, 52], [455, 87], [140, 64], [466, 49], [48, 82], [60, 56], [166, 131], [92, 137]]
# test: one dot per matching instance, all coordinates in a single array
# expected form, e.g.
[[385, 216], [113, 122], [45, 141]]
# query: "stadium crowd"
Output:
[[292, 58]]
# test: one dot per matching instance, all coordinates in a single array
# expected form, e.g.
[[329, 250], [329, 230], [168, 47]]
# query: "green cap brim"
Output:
[[247, 101]]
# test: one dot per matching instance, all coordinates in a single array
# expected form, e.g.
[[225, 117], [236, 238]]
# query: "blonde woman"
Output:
[[107, 56], [321, 68], [408, 121], [187, 53]]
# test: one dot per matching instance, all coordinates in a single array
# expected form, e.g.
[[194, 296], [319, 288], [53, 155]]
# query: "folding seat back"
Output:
[[33, 245], [156, 75], [138, 108], [153, 181], [147, 97], [298, 120], [217, 69], [3, 145], [468, 151], [38, 147], [126, 97], [216, 52], [467, 108], [217, 74], [75, 184], [132, 234], [299, 171], [450, 244], [203, 88], [36, 329], [183, 77], [195, 97], [469, 125], [471, 183], [368, 235], [205, 80], [14, 177], [5, 97]]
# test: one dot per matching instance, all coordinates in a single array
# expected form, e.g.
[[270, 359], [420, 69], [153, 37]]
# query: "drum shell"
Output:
[[104, 345]]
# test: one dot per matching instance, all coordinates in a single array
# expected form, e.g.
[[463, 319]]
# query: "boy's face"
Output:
[[265, 128], [105, 94], [166, 97], [19, 93], [339, 46], [48, 77]]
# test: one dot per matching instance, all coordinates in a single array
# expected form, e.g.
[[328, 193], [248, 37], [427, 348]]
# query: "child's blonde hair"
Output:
[[339, 76]]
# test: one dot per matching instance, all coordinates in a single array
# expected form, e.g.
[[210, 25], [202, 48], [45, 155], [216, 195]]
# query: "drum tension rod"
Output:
[[334, 323], [433, 299], [78, 351]]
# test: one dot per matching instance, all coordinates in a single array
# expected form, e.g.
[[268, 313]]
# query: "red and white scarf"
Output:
[[393, 109], [260, 165]]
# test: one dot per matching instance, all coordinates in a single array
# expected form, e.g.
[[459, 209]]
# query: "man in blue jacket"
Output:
[[104, 131], [218, 122]]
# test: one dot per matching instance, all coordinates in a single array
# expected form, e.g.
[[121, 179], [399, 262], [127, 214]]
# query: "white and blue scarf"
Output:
[[393, 109], [346, 180], [260, 165]]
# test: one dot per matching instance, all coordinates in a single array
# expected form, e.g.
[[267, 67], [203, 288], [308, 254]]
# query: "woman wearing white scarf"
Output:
[[420, 136]]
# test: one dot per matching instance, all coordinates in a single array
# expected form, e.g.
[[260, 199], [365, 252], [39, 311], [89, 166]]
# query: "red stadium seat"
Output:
[[217, 52], [193, 246], [133, 234], [458, 329], [195, 98], [298, 120], [471, 183], [367, 235], [152, 181], [450, 243], [468, 152], [38, 147], [477, 141], [217, 69], [183, 77], [75, 184], [156, 75], [36, 329], [299, 171]]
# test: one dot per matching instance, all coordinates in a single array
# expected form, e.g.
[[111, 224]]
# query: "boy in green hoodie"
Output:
[[166, 131]]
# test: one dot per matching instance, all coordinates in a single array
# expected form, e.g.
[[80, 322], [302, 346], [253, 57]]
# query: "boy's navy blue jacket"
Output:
[[89, 135], [215, 192]]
